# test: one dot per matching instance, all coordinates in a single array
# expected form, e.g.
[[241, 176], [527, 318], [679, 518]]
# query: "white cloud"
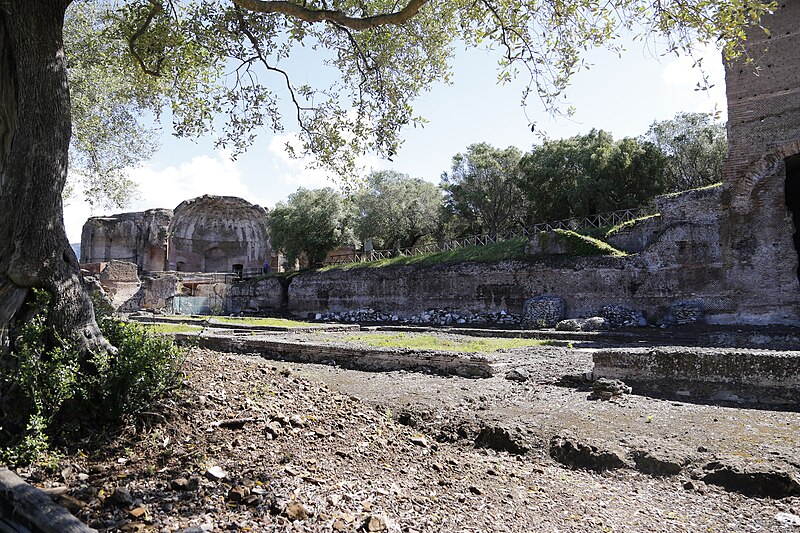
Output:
[[295, 171], [203, 174], [684, 73], [169, 186], [76, 211], [298, 172]]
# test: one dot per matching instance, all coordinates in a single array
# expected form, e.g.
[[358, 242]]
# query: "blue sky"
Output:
[[621, 95]]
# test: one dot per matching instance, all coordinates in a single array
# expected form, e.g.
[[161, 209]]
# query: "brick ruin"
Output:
[[761, 176], [205, 234], [138, 238]]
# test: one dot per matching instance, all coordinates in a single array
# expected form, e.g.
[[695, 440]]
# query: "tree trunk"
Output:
[[35, 131]]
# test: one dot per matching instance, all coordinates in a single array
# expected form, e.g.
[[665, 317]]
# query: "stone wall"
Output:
[[263, 296], [753, 376], [758, 253], [215, 233], [683, 263], [138, 238]]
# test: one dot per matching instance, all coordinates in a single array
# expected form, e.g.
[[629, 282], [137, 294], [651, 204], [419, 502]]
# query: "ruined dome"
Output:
[[218, 234]]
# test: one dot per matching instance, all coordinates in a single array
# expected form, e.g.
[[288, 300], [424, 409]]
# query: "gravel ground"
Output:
[[254, 445]]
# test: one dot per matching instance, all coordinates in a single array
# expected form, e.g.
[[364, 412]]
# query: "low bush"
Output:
[[56, 392]]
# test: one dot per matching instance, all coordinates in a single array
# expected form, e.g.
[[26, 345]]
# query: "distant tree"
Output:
[[589, 174], [394, 208], [695, 145], [482, 193], [311, 222]]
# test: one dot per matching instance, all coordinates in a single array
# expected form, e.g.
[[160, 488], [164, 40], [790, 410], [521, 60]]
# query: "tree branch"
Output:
[[328, 15], [155, 9], [260, 56]]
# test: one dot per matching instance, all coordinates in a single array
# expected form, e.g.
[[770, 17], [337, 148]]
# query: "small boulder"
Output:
[[605, 389], [518, 374], [295, 511], [216, 473]]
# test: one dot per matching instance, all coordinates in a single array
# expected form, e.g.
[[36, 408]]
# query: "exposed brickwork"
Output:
[[214, 233], [138, 238], [758, 255], [205, 234]]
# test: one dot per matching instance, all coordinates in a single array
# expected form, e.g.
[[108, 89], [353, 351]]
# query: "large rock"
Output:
[[543, 311], [619, 316]]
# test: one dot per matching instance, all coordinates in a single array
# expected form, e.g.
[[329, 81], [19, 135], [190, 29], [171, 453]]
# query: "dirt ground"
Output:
[[258, 445]]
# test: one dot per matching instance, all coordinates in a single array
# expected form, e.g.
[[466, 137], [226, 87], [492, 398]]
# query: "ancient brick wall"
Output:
[[139, 238], [214, 233], [758, 254]]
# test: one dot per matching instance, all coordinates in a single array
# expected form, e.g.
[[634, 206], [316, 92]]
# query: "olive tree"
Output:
[[220, 67], [589, 174], [311, 223], [393, 208], [482, 190], [695, 145]]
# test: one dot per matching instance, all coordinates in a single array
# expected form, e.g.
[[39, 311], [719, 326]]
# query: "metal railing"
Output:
[[601, 220]]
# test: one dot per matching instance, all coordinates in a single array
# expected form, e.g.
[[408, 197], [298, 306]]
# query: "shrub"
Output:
[[56, 392], [145, 367]]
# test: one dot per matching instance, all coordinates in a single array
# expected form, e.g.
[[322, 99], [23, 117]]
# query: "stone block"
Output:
[[119, 271], [595, 323], [543, 311]]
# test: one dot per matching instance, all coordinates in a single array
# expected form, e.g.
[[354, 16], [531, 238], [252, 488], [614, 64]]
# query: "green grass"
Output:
[[257, 321], [597, 233], [576, 244], [703, 188], [625, 225], [510, 250], [502, 251], [172, 328], [431, 342]]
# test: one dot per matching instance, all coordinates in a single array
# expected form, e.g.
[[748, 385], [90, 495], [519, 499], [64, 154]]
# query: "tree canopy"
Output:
[[223, 67], [311, 223], [695, 145], [482, 189], [589, 174], [396, 209]]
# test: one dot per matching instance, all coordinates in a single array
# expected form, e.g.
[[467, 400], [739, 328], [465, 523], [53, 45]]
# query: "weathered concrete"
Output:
[[751, 376], [121, 282]]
